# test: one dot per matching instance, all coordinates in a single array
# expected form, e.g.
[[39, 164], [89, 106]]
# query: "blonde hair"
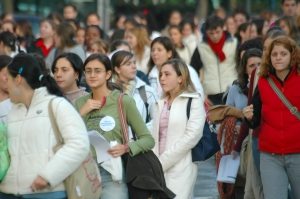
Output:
[[142, 37], [288, 44], [182, 70], [101, 45]]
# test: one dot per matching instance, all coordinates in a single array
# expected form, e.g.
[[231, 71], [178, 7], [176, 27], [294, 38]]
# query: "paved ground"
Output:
[[206, 187]]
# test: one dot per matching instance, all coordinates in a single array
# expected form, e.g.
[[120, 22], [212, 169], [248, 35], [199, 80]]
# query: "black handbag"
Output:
[[144, 174], [208, 144]]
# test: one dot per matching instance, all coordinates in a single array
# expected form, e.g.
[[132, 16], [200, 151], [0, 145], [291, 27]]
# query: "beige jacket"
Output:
[[182, 136], [184, 54], [218, 75]]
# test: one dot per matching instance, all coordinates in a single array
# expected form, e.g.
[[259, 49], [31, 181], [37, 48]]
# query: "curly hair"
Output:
[[288, 44]]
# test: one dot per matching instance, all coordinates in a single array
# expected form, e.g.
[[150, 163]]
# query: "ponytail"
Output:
[[8, 40], [51, 85], [32, 68]]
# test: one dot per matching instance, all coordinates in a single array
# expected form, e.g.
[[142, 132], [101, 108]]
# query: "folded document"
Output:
[[228, 169], [101, 146]]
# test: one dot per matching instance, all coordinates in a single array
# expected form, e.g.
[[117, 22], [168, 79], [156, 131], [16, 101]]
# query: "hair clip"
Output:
[[11, 43], [20, 70], [40, 77]]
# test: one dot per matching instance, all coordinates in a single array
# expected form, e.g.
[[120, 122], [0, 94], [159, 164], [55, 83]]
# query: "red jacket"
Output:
[[280, 129], [40, 44]]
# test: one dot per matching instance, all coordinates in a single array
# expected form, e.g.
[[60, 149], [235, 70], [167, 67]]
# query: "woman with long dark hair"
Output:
[[238, 93], [100, 106], [35, 171], [67, 70]]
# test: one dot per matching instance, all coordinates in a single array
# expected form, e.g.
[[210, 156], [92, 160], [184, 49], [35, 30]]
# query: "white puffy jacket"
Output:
[[31, 141]]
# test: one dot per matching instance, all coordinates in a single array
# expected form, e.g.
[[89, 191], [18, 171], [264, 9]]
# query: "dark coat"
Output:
[[145, 177]]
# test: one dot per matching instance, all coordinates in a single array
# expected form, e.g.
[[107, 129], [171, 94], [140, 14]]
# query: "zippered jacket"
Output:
[[279, 127], [31, 140], [218, 75]]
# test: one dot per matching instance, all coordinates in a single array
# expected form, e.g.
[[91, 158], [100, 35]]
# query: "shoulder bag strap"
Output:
[[54, 124], [188, 108], [142, 91], [123, 121], [286, 102]]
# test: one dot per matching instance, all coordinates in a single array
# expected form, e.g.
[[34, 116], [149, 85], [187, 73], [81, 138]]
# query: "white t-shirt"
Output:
[[5, 107]]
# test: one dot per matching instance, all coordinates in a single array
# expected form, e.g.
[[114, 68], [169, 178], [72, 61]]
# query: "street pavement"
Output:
[[206, 187]]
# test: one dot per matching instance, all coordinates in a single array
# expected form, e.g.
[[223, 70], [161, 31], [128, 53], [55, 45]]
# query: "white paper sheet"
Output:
[[228, 169], [101, 146]]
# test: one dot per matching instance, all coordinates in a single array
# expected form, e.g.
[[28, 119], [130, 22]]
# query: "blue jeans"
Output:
[[277, 172], [12, 196], [256, 153], [112, 189]]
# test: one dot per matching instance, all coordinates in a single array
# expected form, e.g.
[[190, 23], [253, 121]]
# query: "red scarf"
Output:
[[217, 47]]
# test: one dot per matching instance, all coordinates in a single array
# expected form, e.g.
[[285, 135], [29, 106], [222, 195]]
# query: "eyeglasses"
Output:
[[96, 71]]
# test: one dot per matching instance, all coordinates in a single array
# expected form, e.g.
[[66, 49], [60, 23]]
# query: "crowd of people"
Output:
[[230, 60]]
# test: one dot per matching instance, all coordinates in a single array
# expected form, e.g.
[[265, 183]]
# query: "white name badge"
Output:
[[107, 123]]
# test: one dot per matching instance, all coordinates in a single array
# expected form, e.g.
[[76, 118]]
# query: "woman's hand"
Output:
[[38, 184], [117, 150], [237, 129], [208, 101], [234, 154], [89, 106], [248, 112]]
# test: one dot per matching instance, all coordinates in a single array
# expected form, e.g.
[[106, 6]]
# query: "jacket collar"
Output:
[[274, 75], [38, 96], [227, 39], [185, 95], [154, 72], [139, 82]]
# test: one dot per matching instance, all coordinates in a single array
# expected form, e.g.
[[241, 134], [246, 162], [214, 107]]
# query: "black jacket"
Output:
[[144, 173]]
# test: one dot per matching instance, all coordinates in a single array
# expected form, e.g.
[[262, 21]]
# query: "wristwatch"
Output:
[[127, 149]]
